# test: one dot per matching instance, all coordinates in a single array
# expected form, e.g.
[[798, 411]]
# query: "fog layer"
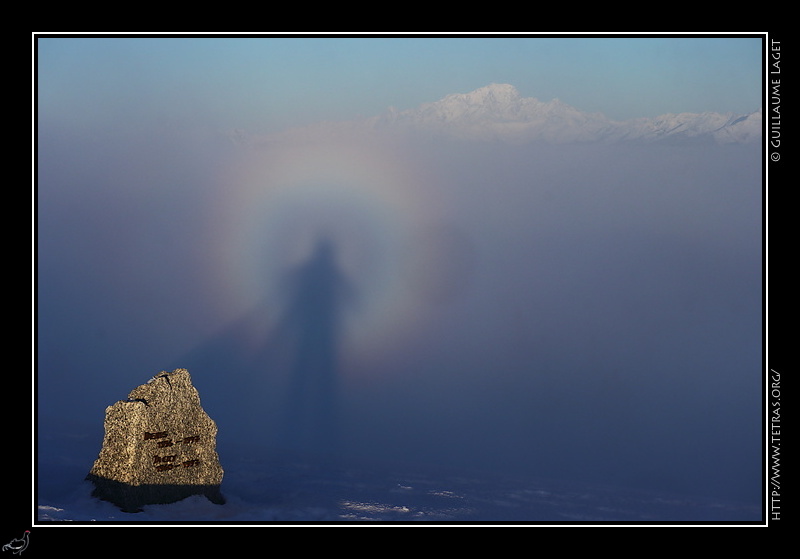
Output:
[[584, 312]]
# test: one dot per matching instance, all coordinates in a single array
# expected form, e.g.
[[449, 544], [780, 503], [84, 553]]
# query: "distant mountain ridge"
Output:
[[497, 112]]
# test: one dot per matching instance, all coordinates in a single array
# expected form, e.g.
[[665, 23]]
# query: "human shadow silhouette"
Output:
[[273, 373], [310, 330]]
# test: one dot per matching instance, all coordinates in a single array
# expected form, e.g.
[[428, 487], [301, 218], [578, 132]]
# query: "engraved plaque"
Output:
[[159, 446]]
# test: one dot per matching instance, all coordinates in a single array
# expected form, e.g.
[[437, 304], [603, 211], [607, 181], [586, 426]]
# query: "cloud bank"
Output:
[[578, 311]]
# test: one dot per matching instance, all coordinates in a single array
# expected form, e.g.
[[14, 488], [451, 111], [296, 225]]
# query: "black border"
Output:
[[59, 537]]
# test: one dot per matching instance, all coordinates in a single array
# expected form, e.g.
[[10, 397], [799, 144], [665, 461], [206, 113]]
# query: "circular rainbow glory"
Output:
[[370, 200]]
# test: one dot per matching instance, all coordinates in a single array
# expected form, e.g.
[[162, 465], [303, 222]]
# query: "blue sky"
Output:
[[268, 83]]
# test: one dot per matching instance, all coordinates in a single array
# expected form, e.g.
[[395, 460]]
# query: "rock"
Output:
[[159, 447]]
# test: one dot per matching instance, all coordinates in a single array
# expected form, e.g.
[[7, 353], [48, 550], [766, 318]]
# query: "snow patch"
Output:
[[292, 491]]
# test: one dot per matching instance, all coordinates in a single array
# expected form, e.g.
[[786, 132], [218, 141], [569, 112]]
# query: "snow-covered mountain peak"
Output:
[[489, 103], [495, 93], [497, 112]]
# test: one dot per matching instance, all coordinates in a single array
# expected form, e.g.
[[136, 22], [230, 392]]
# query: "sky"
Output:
[[270, 83], [575, 312]]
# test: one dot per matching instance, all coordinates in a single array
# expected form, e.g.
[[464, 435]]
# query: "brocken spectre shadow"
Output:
[[311, 329]]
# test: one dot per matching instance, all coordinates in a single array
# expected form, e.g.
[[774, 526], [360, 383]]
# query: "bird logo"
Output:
[[18, 545]]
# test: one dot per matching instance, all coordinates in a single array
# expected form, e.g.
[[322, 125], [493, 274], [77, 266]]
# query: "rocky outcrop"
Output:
[[159, 446]]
